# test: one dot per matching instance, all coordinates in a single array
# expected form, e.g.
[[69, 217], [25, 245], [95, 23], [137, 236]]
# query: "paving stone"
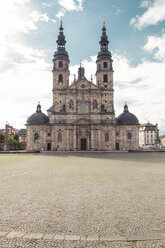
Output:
[[59, 237], [163, 234], [2, 234], [13, 234], [73, 238], [93, 238], [113, 238], [34, 236], [48, 236], [83, 238], [146, 237]]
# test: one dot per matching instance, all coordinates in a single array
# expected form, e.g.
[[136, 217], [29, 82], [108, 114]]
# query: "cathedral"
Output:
[[82, 115]]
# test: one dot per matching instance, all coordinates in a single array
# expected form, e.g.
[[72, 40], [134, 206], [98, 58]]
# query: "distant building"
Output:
[[162, 141], [11, 130], [22, 135], [148, 134]]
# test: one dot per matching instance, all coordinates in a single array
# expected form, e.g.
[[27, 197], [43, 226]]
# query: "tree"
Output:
[[14, 144], [2, 138], [16, 137]]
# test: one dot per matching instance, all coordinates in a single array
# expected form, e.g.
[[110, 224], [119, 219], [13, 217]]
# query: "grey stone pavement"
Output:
[[82, 200]]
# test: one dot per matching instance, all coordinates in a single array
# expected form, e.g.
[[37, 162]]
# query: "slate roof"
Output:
[[38, 117], [127, 118], [22, 131]]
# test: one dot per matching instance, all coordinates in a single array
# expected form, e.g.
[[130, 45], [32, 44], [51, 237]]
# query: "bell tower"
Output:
[[104, 72], [60, 63]]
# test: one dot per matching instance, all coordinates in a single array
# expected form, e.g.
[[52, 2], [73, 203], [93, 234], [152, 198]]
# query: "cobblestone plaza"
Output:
[[82, 200]]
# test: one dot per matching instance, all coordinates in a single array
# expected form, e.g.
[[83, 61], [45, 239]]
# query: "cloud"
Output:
[[61, 13], [23, 70], [154, 14], [145, 4], [156, 45], [70, 5], [37, 16]]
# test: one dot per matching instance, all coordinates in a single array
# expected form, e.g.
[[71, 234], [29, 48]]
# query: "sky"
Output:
[[28, 34]]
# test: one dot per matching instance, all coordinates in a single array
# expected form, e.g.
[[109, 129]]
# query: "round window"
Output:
[[83, 86]]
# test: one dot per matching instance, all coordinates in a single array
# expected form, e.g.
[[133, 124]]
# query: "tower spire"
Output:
[[104, 38], [61, 53], [61, 37], [104, 52]]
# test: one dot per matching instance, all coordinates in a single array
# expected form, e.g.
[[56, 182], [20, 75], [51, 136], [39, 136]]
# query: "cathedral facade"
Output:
[[82, 115]]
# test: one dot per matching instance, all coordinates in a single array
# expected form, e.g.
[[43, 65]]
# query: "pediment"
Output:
[[83, 84]]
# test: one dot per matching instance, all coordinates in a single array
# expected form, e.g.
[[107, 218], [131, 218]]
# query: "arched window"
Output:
[[60, 78], [83, 108], [106, 137], [59, 137], [71, 104], [129, 136], [63, 108], [94, 104], [105, 78], [60, 64], [36, 137], [105, 64]]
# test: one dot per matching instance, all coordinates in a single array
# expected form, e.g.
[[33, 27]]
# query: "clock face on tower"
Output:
[[105, 85], [60, 85]]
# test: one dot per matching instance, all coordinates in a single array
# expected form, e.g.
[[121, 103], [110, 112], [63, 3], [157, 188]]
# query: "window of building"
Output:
[[36, 137], [129, 136], [102, 108], [60, 64], [105, 64], [83, 108], [147, 141], [94, 104], [63, 108], [49, 134], [117, 134], [60, 78], [59, 137], [105, 78], [71, 104], [99, 66], [106, 137]]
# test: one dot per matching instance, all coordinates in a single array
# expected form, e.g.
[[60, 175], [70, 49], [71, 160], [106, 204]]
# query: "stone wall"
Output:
[[122, 137]]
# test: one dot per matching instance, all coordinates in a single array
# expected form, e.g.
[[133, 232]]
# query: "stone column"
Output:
[[99, 140], [92, 139], [67, 139], [75, 139]]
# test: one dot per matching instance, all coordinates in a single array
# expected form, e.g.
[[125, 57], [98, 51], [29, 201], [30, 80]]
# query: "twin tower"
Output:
[[104, 73]]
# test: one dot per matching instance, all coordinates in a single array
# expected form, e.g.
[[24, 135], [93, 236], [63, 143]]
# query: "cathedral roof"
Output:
[[38, 117], [127, 118]]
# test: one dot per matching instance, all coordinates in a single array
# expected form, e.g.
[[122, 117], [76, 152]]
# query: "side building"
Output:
[[148, 134], [82, 115]]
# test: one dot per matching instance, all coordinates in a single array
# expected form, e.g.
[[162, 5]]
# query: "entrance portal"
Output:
[[117, 146], [48, 146], [83, 144]]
